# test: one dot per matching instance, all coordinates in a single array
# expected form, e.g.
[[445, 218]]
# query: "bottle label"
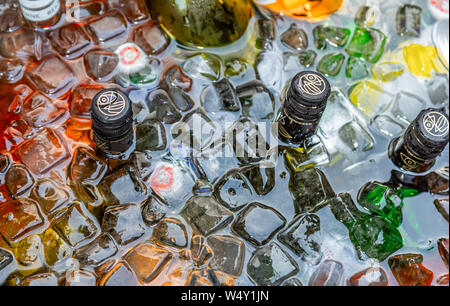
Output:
[[132, 58], [441, 5], [39, 10], [410, 161], [292, 130]]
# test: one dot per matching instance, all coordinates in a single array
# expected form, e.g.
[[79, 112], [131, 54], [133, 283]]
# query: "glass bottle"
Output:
[[203, 23], [312, 10], [112, 124], [41, 14], [424, 140], [304, 103]]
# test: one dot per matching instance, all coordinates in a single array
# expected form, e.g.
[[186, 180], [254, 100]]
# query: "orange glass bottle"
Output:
[[313, 10]]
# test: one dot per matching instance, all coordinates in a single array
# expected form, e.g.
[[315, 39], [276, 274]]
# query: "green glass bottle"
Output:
[[371, 234], [203, 23]]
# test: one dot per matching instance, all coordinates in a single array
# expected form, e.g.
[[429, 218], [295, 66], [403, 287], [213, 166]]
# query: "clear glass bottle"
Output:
[[41, 14]]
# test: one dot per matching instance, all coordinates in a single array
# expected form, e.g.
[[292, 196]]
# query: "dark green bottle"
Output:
[[303, 106], [112, 124], [424, 140]]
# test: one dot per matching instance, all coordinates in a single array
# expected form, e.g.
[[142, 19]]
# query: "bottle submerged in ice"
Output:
[[112, 124], [424, 140]]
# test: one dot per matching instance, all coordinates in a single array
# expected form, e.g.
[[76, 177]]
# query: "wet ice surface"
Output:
[[243, 220]]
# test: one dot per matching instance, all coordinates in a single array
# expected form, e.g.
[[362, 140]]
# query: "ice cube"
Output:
[[201, 252], [82, 278], [11, 71], [171, 232], [135, 11], [41, 111], [204, 66], [85, 172], [151, 37], [120, 275], [205, 215], [51, 195], [77, 226], [54, 247], [248, 224], [19, 218], [101, 65], [44, 152], [148, 261], [304, 238], [151, 136], [19, 181], [329, 273], [233, 190], [269, 69], [162, 108], [228, 254], [22, 44], [108, 28], [98, 251], [295, 38], [124, 223], [71, 41], [310, 190], [123, 186], [53, 76], [271, 266], [374, 276]]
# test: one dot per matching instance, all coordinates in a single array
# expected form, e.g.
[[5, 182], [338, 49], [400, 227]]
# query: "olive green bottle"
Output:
[[203, 23]]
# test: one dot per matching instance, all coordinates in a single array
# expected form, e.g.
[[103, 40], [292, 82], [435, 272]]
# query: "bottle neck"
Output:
[[406, 158], [116, 149]]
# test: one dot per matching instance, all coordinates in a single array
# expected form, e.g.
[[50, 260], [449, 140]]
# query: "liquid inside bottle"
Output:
[[313, 10], [210, 23]]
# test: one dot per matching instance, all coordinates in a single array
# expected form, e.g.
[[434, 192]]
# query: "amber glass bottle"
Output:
[[313, 10]]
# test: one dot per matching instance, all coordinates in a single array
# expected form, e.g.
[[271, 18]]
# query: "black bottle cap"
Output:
[[307, 96], [428, 134], [112, 115], [310, 88]]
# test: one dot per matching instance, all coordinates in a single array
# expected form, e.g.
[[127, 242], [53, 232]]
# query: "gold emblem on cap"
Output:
[[111, 103], [312, 84], [436, 124]]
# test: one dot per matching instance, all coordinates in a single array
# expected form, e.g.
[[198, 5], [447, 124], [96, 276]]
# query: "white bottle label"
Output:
[[39, 10]]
